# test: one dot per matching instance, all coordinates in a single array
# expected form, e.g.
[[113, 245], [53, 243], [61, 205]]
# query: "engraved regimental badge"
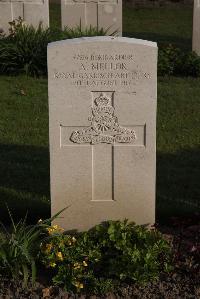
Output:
[[104, 127]]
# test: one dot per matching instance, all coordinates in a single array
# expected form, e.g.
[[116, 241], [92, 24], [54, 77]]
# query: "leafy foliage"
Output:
[[101, 258], [19, 248], [173, 61], [24, 50], [167, 59], [88, 31]]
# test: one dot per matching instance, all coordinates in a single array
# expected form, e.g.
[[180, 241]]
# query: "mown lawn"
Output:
[[164, 25], [24, 154], [178, 146]]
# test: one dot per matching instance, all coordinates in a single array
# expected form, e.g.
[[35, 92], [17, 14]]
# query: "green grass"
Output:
[[163, 25], [178, 146], [24, 153]]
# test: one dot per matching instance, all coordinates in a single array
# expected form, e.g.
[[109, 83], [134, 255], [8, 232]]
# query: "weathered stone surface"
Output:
[[102, 113], [196, 27], [97, 13], [32, 11]]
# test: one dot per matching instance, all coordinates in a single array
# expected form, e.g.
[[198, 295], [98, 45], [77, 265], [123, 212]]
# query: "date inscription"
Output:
[[98, 70]]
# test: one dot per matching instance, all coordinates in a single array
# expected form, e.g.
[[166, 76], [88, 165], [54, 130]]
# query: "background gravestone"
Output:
[[102, 119], [196, 27], [32, 11], [97, 13]]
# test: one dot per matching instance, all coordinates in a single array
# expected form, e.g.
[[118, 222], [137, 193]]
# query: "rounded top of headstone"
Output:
[[94, 39]]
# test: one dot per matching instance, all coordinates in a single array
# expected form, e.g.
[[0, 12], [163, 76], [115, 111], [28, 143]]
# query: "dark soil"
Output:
[[169, 287], [182, 283]]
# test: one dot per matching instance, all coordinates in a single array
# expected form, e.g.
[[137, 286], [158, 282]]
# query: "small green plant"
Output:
[[78, 31], [173, 61], [168, 57], [24, 50], [19, 248], [98, 260], [190, 65]]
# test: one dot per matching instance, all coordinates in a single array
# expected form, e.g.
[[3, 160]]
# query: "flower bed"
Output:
[[183, 281]]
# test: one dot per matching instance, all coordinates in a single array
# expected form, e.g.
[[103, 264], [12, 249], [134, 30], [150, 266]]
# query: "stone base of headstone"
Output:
[[32, 12], [100, 14]]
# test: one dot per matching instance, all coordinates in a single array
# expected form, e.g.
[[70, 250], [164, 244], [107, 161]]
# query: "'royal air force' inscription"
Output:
[[98, 70]]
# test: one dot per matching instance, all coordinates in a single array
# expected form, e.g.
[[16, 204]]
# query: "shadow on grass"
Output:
[[183, 43], [178, 183], [24, 181]]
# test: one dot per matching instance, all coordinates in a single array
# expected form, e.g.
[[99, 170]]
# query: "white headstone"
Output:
[[97, 13], [102, 120], [196, 27], [31, 11]]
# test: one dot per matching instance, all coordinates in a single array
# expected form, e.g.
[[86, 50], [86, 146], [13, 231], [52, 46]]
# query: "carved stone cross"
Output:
[[103, 136]]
